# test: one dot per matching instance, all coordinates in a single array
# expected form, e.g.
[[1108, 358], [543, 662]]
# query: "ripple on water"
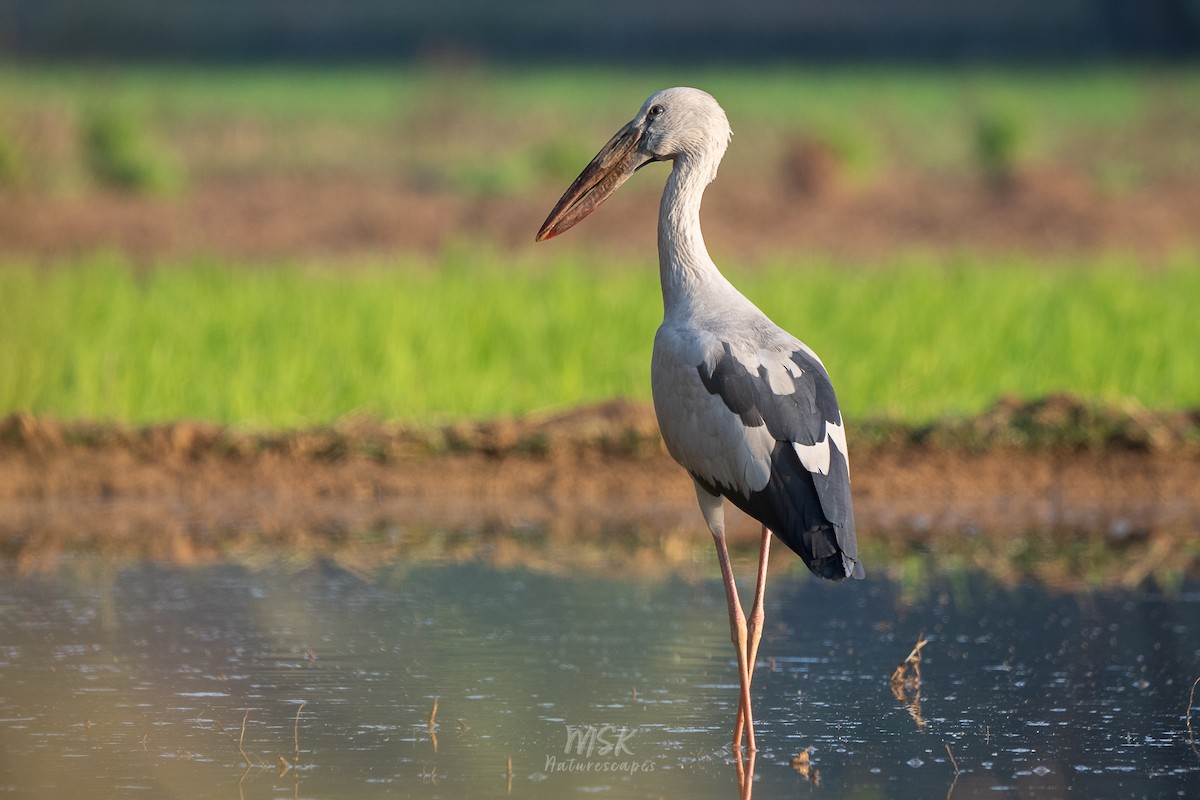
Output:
[[161, 682]]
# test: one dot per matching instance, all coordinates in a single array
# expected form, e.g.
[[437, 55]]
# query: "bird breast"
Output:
[[700, 431]]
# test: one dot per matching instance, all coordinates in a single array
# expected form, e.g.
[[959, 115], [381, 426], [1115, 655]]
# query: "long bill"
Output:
[[611, 167]]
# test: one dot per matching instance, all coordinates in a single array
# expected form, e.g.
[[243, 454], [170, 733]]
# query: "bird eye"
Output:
[[655, 110]]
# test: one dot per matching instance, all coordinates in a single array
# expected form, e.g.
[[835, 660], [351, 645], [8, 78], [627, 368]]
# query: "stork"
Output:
[[745, 407]]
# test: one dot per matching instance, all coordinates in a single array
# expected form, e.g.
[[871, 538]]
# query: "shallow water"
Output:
[[133, 680]]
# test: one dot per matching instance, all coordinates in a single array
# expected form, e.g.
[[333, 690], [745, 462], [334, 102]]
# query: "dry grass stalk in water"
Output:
[[239, 742], [802, 763], [431, 726], [953, 761], [1188, 718], [909, 670], [242, 739], [296, 736], [906, 681]]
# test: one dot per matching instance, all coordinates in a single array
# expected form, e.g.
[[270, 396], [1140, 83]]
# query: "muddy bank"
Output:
[[1026, 484], [1051, 212]]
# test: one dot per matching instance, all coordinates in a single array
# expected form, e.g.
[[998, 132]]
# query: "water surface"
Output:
[[133, 680]]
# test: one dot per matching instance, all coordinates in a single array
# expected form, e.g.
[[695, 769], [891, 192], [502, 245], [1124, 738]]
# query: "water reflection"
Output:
[[135, 680]]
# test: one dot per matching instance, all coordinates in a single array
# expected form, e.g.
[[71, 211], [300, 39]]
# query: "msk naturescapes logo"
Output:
[[598, 748]]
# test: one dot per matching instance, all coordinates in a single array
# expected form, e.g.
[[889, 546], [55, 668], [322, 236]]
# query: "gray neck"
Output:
[[685, 268]]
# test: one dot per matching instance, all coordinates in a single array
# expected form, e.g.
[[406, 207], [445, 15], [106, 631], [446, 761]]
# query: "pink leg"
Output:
[[757, 615], [738, 633], [754, 624], [745, 775]]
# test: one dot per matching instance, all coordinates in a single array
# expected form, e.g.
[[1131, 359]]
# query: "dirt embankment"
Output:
[[1122, 483], [1056, 470], [1046, 213]]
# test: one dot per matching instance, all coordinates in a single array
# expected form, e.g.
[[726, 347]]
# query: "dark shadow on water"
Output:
[[135, 680]]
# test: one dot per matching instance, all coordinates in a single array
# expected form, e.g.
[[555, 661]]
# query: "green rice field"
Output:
[[471, 333], [290, 345]]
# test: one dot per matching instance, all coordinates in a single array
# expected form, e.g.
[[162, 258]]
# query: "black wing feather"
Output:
[[810, 512]]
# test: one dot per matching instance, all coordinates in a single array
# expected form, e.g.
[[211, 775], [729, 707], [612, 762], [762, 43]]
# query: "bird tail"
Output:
[[828, 550], [790, 505], [824, 537], [818, 547]]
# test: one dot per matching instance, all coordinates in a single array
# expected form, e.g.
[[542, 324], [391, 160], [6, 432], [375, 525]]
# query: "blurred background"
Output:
[[530, 31], [300, 431], [230, 152]]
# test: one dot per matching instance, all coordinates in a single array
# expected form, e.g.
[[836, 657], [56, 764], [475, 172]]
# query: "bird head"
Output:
[[679, 124]]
